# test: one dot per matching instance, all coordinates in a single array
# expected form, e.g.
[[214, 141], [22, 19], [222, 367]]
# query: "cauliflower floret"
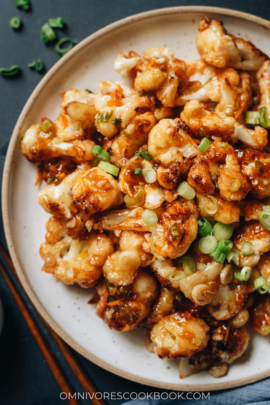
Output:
[[221, 50], [150, 79], [200, 175], [264, 265], [38, 146], [79, 196], [258, 236], [169, 141], [121, 268], [263, 76], [179, 335], [73, 261], [137, 242], [183, 216], [228, 302], [124, 65], [202, 286], [162, 270], [125, 307], [124, 220], [254, 138], [163, 306], [228, 212], [255, 166], [226, 344]]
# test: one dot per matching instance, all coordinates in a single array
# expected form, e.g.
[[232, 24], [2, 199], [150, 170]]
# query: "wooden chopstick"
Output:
[[46, 351], [74, 365]]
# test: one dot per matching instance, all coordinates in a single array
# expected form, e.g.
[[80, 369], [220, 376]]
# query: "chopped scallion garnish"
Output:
[[38, 65], [247, 248], [252, 118], [150, 175], [233, 255], [225, 245], [146, 156], [12, 71], [189, 264], [186, 191], [57, 22], [204, 145], [24, 4], [47, 33], [210, 212], [104, 117], [218, 255], [149, 217], [117, 121], [174, 231], [126, 134], [15, 23], [179, 273], [261, 284], [264, 219], [207, 244], [205, 228], [246, 273], [62, 51], [263, 118], [138, 171], [222, 231], [107, 167]]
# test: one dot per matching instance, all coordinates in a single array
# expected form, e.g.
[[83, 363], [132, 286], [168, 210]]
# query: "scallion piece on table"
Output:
[[204, 145], [174, 231], [252, 118], [210, 212], [246, 273], [205, 228], [208, 244], [24, 4], [189, 264], [263, 118], [222, 231], [149, 217], [225, 245], [177, 275], [186, 191], [150, 175], [138, 171], [218, 255], [59, 46], [247, 248], [264, 219], [261, 285], [233, 255], [15, 23], [12, 71], [109, 168], [57, 22], [37, 64], [145, 155], [47, 34]]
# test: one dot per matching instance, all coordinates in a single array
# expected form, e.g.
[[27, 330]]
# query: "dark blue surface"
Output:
[[25, 378]]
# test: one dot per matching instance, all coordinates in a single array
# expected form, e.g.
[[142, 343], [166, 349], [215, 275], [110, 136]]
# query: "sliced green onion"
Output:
[[222, 231], [247, 248], [126, 134], [223, 145], [96, 151], [15, 23], [137, 154], [37, 64], [225, 245], [104, 117], [12, 71], [246, 273], [238, 276], [210, 212], [117, 121], [105, 156], [47, 126], [263, 118], [146, 156], [208, 244], [252, 118], [174, 231], [185, 191], [233, 255], [137, 200], [189, 264], [176, 273], [204, 145], [259, 167], [218, 256], [150, 175], [138, 171], [205, 228], [266, 208], [24, 4], [47, 33], [62, 51], [95, 161], [236, 184], [57, 22], [264, 219], [261, 285], [254, 100], [149, 217], [109, 168]]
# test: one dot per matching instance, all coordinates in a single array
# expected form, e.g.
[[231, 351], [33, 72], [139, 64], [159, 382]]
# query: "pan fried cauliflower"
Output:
[[159, 197]]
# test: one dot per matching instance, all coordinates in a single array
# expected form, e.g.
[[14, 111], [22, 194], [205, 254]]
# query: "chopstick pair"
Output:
[[46, 351]]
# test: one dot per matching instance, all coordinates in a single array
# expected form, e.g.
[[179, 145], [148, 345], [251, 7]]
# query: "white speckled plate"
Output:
[[65, 308]]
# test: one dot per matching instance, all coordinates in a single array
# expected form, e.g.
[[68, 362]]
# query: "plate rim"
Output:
[[6, 208]]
